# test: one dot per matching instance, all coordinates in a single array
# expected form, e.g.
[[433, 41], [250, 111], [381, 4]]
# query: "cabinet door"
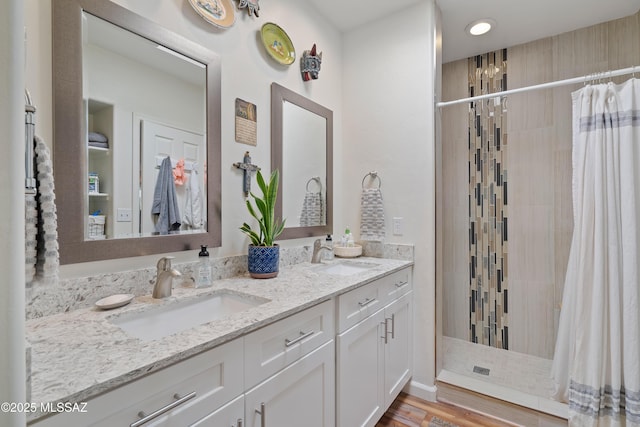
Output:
[[398, 352], [302, 394], [360, 368], [230, 415]]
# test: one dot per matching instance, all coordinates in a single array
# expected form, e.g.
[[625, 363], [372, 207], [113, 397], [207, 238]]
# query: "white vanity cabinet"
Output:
[[302, 394], [180, 394], [374, 357], [290, 370], [230, 415]]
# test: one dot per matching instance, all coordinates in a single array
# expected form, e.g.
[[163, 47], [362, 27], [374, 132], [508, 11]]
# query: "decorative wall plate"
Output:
[[216, 12], [278, 43]]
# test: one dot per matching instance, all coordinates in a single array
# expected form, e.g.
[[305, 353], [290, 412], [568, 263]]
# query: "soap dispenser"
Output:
[[203, 269]]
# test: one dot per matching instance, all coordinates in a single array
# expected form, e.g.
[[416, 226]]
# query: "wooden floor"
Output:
[[410, 411]]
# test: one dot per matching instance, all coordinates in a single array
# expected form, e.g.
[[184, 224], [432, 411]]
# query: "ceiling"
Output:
[[518, 21]]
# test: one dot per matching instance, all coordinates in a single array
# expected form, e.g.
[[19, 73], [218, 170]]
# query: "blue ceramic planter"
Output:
[[263, 261]]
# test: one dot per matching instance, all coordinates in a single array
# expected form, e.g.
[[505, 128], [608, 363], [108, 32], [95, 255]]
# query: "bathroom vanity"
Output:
[[320, 345]]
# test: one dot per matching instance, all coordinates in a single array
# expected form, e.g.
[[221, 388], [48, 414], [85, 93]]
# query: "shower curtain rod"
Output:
[[583, 79]]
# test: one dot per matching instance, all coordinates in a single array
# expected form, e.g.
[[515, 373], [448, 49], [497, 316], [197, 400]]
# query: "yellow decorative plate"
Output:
[[216, 12], [278, 43]]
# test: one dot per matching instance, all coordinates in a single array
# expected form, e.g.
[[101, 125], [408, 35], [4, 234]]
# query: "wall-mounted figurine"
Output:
[[310, 64], [247, 168], [252, 5]]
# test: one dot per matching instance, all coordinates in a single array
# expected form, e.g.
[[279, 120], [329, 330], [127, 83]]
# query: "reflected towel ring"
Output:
[[317, 179], [373, 176]]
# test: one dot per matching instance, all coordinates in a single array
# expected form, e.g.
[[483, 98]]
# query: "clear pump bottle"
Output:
[[329, 243], [203, 269]]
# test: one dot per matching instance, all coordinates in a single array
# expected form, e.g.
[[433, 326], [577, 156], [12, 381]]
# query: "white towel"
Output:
[[372, 215], [193, 203], [312, 210], [41, 231]]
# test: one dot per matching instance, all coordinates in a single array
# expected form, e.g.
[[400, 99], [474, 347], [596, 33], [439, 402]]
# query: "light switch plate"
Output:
[[398, 225], [124, 215]]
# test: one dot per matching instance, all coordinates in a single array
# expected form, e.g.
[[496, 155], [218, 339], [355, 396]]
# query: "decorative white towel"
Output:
[[41, 231], [372, 215], [312, 210], [30, 236]]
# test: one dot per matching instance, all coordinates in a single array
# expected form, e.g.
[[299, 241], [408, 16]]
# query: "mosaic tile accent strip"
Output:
[[488, 255]]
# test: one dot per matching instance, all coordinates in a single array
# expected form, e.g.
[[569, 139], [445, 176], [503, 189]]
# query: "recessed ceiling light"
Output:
[[481, 26]]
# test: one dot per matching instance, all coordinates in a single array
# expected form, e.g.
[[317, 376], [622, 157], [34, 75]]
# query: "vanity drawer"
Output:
[[274, 347], [212, 378], [397, 284], [360, 303]]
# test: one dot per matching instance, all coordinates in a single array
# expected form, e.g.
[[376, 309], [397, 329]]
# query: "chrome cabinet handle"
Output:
[[263, 414], [239, 422], [144, 418], [386, 331], [366, 302], [401, 284], [289, 343], [393, 326]]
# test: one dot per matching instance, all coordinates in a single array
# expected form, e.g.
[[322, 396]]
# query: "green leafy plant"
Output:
[[270, 227]]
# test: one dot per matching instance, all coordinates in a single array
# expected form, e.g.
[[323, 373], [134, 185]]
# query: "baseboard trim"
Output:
[[423, 391]]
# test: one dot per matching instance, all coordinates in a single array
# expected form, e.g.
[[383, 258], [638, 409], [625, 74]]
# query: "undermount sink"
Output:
[[160, 322], [346, 268]]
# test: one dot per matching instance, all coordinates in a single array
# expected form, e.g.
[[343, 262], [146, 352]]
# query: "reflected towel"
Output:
[[41, 222], [97, 137], [372, 215], [312, 210], [165, 201], [193, 203]]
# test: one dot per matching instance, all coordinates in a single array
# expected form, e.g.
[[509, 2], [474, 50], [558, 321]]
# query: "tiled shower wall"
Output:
[[488, 221], [539, 178]]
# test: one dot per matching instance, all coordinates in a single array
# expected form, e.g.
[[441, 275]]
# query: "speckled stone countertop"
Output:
[[80, 354]]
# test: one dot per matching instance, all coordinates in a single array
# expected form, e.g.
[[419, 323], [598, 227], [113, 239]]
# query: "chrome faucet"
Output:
[[318, 247], [164, 278]]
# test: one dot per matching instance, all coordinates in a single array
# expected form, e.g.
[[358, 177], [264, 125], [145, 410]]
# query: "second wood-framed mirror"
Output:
[[302, 150]]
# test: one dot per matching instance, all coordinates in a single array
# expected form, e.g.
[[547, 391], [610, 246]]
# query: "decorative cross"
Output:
[[247, 169]]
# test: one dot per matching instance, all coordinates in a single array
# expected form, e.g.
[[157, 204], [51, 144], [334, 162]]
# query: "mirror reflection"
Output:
[[156, 100], [144, 103], [305, 162], [302, 149]]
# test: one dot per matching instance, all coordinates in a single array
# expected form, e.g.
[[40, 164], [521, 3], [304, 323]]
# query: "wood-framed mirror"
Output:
[[302, 150], [190, 78]]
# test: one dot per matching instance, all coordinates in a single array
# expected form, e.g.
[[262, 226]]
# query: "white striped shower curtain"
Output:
[[596, 365]]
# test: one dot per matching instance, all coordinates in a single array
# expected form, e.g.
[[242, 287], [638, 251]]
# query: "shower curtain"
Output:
[[596, 365]]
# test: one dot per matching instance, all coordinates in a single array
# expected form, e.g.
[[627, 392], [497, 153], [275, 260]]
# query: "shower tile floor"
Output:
[[517, 371]]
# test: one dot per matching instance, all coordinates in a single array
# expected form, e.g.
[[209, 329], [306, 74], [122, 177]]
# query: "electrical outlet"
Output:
[[398, 225], [124, 215]]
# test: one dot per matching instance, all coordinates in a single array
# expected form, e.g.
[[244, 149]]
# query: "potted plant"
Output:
[[264, 254]]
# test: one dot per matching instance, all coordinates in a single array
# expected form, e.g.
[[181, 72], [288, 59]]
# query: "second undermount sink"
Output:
[[346, 268], [165, 320]]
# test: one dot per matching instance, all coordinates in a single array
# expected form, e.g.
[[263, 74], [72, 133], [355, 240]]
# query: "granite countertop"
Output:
[[80, 354]]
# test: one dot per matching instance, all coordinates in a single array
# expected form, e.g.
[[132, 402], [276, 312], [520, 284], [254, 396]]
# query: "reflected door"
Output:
[[157, 142]]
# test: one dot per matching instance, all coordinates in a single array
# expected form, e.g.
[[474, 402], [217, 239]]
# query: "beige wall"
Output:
[[539, 175]]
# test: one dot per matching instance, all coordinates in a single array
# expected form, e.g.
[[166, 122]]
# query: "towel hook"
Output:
[[373, 175], [317, 179]]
